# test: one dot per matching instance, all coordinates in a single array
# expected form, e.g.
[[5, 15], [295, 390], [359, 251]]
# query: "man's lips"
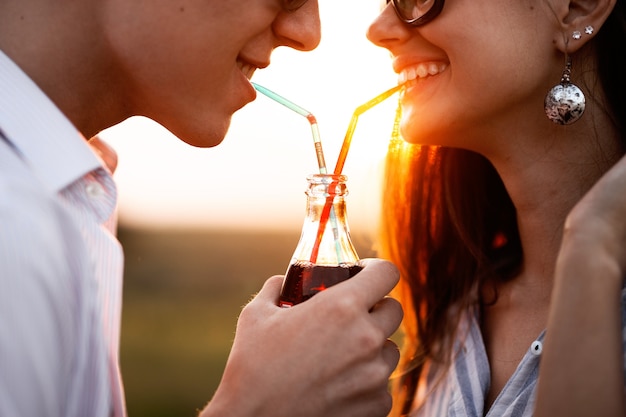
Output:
[[246, 68], [249, 66]]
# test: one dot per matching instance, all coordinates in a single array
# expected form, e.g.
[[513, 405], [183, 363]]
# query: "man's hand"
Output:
[[329, 356]]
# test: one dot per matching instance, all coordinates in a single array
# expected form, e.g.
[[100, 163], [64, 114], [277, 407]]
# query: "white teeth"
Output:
[[421, 70], [247, 69]]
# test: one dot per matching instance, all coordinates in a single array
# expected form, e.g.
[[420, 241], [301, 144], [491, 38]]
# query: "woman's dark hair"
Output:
[[450, 226], [611, 49]]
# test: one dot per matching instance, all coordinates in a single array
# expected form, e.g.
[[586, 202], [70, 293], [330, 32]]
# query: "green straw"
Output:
[[303, 112], [318, 152]]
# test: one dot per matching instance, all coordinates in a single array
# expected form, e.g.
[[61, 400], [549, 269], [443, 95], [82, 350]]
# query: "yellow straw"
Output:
[[341, 160]]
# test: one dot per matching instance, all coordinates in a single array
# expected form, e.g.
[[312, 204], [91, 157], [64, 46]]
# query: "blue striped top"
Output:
[[461, 391]]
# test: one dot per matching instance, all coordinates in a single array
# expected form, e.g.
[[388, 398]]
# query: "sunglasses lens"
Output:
[[411, 10]]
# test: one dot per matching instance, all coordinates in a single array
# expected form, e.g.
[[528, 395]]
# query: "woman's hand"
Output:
[[598, 221], [582, 366]]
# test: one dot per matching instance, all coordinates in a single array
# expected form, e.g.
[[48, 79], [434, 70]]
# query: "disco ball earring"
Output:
[[565, 102]]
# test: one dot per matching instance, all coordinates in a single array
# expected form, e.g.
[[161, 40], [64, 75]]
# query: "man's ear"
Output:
[[579, 21]]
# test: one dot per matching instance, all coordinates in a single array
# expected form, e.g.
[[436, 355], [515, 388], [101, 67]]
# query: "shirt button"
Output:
[[536, 348], [94, 190]]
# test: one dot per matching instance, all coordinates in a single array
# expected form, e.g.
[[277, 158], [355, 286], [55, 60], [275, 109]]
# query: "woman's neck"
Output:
[[547, 176]]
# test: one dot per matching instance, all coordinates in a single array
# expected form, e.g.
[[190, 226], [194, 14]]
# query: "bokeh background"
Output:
[[204, 228]]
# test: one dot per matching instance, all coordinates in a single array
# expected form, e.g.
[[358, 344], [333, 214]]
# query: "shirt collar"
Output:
[[40, 132]]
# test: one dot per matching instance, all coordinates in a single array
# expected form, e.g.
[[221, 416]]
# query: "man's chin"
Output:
[[204, 135]]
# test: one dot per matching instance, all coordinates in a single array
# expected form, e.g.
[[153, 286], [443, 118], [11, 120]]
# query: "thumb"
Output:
[[270, 291]]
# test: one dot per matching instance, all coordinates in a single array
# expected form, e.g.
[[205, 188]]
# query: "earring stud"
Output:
[[577, 34]]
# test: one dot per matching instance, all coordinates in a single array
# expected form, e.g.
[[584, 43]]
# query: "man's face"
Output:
[[186, 64]]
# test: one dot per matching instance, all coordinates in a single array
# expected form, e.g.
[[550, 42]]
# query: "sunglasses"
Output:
[[417, 12]]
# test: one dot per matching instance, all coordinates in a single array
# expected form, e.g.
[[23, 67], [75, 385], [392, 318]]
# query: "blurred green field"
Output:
[[183, 290]]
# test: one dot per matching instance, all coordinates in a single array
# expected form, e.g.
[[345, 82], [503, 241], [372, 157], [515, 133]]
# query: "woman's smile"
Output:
[[421, 70]]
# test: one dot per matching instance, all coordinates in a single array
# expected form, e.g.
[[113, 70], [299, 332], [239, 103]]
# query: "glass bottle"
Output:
[[325, 254]]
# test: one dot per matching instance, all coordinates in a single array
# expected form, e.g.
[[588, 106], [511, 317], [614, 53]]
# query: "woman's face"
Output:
[[187, 64], [479, 67]]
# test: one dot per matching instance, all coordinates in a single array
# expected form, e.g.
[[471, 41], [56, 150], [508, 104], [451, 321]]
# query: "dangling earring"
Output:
[[565, 102]]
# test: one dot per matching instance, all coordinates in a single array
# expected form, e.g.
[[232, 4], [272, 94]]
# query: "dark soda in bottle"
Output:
[[304, 280]]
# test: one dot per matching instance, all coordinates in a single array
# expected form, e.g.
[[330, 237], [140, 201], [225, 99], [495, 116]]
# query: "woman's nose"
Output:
[[386, 28]]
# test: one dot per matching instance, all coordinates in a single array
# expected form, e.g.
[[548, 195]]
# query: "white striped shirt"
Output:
[[462, 391], [60, 265]]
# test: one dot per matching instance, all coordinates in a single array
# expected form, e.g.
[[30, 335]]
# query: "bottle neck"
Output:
[[325, 236]]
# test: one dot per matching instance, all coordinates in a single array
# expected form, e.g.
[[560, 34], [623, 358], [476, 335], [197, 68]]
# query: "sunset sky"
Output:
[[256, 178]]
